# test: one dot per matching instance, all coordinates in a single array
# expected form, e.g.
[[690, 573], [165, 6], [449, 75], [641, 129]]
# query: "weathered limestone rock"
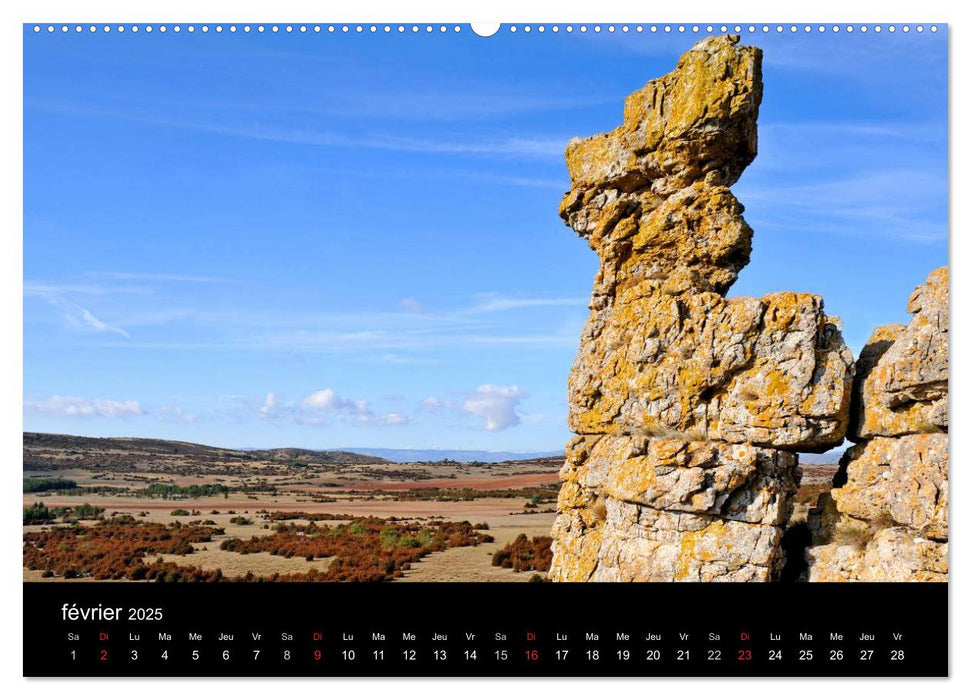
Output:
[[685, 139], [901, 482], [644, 509], [902, 377], [858, 552], [771, 371], [685, 400], [887, 520], [638, 543], [736, 482]]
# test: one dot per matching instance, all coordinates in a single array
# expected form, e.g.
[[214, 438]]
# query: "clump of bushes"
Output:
[[368, 549], [115, 549], [40, 514], [37, 485], [192, 491], [86, 511], [524, 554], [37, 513]]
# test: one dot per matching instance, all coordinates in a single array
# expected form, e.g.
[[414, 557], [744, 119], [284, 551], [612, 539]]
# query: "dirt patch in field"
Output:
[[209, 557]]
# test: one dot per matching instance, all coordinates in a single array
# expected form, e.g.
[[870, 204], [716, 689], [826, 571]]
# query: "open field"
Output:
[[240, 497]]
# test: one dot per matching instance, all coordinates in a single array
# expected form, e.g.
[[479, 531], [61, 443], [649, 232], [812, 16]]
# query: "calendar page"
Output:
[[485, 350]]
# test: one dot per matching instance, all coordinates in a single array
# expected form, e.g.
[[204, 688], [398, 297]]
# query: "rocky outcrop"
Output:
[[688, 405], [886, 520], [902, 380], [652, 195]]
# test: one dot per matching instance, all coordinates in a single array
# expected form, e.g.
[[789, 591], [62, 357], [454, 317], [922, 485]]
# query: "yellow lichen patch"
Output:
[[633, 478], [587, 159], [701, 546]]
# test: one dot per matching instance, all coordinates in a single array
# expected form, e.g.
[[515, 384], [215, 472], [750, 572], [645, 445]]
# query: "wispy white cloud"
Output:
[[434, 404], [516, 146], [442, 174], [892, 203], [412, 305], [160, 277], [499, 146], [432, 102], [79, 407], [852, 58], [80, 317], [489, 303], [799, 150], [818, 130], [546, 183], [402, 334], [48, 289], [497, 405], [174, 414], [75, 315], [395, 358], [391, 340], [487, 102]]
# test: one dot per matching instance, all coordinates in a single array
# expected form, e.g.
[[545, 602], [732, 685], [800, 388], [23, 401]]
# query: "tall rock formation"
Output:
[[688, 405], [886, 520]]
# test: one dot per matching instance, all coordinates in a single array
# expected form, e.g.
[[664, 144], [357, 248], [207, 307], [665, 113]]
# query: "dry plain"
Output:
[[123, 478]]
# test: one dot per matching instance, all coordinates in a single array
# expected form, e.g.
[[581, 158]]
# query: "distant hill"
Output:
[[831, 457], [50, 451], [296, 454], [405, 456]]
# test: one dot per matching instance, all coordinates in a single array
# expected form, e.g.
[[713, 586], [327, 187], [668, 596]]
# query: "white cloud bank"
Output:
[[78, 407], [497, 405], [325, 405]]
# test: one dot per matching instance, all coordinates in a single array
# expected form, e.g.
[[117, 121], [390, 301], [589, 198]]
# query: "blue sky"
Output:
[[352, 240]]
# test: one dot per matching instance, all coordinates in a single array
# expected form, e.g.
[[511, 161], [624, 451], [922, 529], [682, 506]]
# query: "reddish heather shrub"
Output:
[[524, 554]]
